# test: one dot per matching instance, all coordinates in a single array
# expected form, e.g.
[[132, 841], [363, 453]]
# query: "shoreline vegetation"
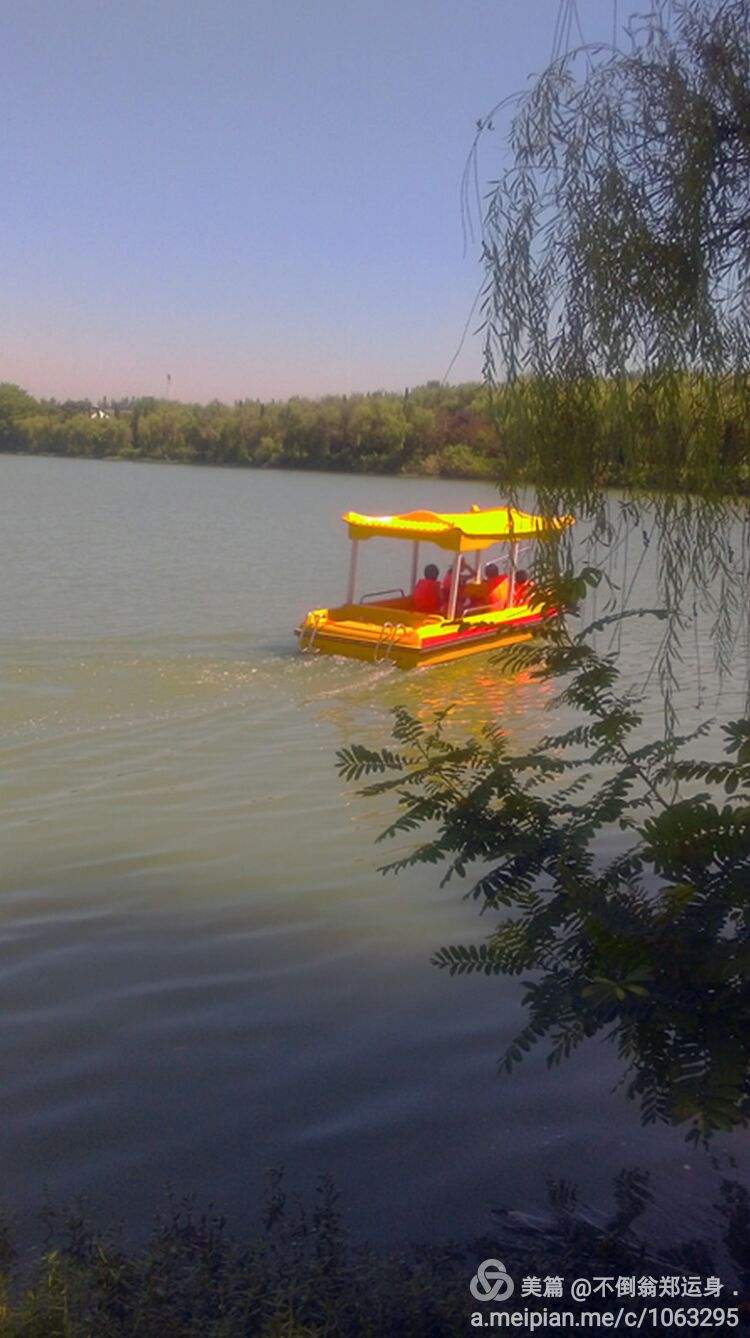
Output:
[[434, 431], [303, 1274]]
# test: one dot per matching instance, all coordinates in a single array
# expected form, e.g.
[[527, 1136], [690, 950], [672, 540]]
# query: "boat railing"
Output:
[[493, 608], [378, 594]]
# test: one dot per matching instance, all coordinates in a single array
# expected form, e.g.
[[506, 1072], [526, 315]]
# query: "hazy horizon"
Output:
[[104, 401], [261, 201]]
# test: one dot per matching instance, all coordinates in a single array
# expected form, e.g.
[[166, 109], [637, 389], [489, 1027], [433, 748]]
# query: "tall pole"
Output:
[[352, 572], [414, 566], [512, 583], [453, 599]]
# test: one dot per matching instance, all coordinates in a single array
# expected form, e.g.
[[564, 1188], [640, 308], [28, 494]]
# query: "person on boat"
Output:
[[427, 596], [522, 587], [496, 586], [463, 577]]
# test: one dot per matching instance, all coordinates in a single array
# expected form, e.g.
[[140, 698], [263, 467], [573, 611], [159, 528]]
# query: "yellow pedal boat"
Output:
[[385, 627]]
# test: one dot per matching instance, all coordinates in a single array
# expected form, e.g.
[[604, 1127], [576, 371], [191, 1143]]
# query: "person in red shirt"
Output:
[[464, 575], [427, 597], [522, 587], [496, 585]]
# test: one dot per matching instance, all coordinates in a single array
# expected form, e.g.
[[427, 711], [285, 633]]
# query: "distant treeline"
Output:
[[438, 430], [615, 434]]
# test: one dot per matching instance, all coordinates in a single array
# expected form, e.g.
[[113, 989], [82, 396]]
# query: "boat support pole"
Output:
[[352, 572], [414, 566], [512, 582], [455, 577]]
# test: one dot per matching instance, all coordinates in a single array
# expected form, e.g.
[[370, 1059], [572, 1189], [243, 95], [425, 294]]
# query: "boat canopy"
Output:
[[458, 532]]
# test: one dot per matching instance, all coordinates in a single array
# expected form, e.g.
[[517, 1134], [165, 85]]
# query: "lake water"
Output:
[[202, 973]]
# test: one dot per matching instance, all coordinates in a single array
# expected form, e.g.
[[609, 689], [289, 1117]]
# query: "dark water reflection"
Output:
[[201, 971]]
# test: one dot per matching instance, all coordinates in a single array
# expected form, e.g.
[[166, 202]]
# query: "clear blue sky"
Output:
[[260, 197]]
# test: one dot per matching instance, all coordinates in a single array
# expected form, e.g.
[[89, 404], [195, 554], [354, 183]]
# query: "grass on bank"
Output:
[[302, 1275]]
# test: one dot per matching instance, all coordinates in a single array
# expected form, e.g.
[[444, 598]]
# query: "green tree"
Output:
[[618, 242], [652, 947], [166, 432], [617, 307], [15, 405]]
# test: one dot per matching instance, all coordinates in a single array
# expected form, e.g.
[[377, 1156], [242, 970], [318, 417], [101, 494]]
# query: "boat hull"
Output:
[[410, 643]]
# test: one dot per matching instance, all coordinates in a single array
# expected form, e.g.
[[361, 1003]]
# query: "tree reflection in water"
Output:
[[625, 1241]]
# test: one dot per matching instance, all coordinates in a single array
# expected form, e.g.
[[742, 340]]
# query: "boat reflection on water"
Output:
[[476, 697], [477, 692]]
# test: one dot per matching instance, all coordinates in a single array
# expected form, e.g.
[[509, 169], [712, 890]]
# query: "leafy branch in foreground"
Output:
[[650, 947]]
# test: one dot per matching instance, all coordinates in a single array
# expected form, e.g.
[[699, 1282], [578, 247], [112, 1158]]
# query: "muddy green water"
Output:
[[201, 971]]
